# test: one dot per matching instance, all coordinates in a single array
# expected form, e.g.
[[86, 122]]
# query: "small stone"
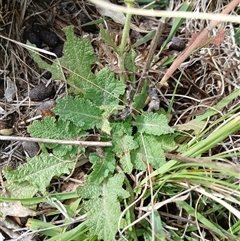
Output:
[[177, 44], [41, 92], [6, 132], [31, 148], [161, 41], [5, 127]]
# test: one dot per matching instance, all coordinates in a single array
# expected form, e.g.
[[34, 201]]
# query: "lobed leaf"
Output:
[[123, 144], [55, 67], [78, 59], [153, 123], [21, 190], [106, 89], [121, 128], [80, 111], [108, 110], [102, 166], [51, 128], [106, 37], [38, 171], [104, 206], [149, 151]]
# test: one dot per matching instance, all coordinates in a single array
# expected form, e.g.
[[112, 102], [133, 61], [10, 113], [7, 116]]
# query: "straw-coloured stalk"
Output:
[[202, 36]]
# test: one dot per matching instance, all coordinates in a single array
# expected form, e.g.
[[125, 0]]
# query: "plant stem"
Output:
[[151, 52], [125, 35], [55, 141], [126, 29]]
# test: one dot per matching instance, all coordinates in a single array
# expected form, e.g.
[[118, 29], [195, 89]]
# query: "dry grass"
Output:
[[207, 75]]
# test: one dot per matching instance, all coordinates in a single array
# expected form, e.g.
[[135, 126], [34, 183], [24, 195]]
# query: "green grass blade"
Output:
[[190, 210], [220, 105], [158, 229], [230, 127], [145, 39], [77, 233], [43, 227], [237, 36]]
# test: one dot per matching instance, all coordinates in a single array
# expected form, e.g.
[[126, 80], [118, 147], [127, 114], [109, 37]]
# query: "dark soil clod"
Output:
[[33, 38], [47, 36]]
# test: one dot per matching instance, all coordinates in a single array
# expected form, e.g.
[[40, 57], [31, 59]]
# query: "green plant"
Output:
[[140, 142], [78, 116]]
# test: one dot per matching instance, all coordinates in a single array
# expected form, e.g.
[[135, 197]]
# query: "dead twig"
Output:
[[56, 141], [151, 52]]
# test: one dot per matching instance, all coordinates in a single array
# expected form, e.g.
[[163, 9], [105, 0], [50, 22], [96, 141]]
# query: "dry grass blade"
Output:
[[157, 195], [167, 14], [198, 42], [151, 53]]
